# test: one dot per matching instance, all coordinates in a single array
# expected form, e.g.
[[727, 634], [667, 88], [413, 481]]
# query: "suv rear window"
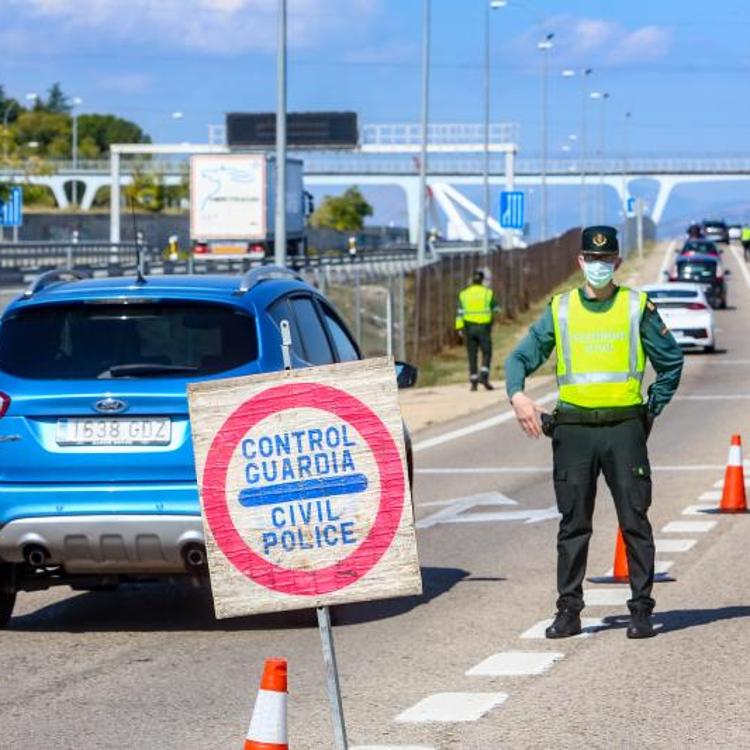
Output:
[[95, 341]]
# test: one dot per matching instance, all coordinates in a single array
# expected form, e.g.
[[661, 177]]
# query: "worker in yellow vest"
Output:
[[603, 334], [476, 311], [745, 239]]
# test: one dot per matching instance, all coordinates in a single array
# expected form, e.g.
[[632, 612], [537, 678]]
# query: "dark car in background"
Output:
[[716, 230], [700, 247], [707, 271]]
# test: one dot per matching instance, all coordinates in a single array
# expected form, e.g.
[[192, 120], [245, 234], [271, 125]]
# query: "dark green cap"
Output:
[[600, 240]]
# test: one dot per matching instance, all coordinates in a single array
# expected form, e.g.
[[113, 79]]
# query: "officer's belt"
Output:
[[599, 416]]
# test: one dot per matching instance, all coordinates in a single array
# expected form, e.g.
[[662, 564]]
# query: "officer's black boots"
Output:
[[474, 385], [640, 624], [567, 623], [484, 379]]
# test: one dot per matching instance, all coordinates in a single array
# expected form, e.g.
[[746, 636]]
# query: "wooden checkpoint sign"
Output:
[[304, 490]]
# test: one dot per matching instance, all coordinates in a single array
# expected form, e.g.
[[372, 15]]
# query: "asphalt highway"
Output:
[[148, 667]]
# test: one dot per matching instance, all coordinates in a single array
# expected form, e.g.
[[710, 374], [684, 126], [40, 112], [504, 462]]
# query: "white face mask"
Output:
[[598, 273]]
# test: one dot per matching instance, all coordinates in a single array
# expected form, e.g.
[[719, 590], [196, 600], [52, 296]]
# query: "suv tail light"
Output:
[[696, 306], [4, 403]]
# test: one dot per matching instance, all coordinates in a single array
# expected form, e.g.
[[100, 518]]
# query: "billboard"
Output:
[[228, 197], [303, 129]]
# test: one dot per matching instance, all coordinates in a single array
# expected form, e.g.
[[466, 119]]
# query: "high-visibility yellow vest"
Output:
[[745, 234], [600, 357], [475, 305]]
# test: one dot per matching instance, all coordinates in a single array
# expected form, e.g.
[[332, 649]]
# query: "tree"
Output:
[[103, 130], [57, 102], [345, 212]]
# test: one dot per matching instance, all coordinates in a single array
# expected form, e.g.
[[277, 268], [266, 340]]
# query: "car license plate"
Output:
[[101, 431]]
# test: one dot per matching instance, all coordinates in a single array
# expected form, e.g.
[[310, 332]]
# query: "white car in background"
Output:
[[686, 312]]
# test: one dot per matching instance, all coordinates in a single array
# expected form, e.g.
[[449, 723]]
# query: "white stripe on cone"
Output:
[[735, 455], [269, 718]]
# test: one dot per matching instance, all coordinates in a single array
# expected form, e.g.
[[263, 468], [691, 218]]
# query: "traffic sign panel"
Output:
[[512, 209], [303, 488], [11, 211]]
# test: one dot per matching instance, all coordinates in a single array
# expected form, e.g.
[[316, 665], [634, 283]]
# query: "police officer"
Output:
[[603, 335], [745, 239], [476, 309]]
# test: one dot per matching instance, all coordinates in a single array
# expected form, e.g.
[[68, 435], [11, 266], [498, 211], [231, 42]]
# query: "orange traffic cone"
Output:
[[733, 496], [620, 569], [268, 726]]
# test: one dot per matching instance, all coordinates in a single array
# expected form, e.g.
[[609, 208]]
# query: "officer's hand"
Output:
[[460, 334], [527, 414]]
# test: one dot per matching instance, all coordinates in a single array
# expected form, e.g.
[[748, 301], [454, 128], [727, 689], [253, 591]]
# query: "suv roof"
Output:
[[213, 287]]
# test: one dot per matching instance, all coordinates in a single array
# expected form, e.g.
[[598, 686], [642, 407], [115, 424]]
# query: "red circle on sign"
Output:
[[379, 441]]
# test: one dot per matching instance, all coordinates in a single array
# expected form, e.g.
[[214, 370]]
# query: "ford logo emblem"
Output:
[[110, 405]]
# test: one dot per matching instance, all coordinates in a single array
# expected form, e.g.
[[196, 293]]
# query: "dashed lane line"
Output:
[[515, 663], [452, 435], [711, 494], [589, 626], [698, 509], [661, 567], [606, 597], [674, 545], [452, 707], [390, 747], [688, 527]]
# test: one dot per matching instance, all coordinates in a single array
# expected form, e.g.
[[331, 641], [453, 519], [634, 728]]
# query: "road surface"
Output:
[[459, 667]]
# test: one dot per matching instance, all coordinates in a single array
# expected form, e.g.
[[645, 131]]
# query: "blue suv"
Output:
[[97, 479]]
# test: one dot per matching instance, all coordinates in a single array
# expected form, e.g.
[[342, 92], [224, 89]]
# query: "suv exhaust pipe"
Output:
[[195, 558], [35, 555]]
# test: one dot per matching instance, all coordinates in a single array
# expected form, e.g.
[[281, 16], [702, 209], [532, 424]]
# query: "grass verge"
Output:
[[450, 365]]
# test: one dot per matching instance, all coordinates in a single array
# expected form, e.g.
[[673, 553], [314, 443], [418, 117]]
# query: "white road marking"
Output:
[[590, 625], [715, 361], [712, 495], [674, 545], [532, 515], [688, 527], [449, 437], [668, 256], [515, 663], [713, 397], [699, 509], [452, 707], [456, 511], [481, 498], [660, 566], [741, 263], [461, 470], [606, 597]]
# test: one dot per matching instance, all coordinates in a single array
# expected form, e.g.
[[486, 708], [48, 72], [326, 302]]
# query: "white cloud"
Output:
[[214, 26], [125, 83], [591, 41], [646, 43]]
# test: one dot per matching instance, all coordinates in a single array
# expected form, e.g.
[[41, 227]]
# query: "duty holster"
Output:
[[595, 417]]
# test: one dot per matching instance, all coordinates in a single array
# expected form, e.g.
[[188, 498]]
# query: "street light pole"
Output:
[[6, 115], [544, 46], [280, 216], [625, 166], [486, 170], [421, 223]]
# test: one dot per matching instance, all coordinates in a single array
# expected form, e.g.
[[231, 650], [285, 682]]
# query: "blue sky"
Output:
[[680, 66]]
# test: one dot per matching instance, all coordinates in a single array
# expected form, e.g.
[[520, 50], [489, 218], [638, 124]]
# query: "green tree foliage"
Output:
[[101, 130], [346, 212], [57, 102]]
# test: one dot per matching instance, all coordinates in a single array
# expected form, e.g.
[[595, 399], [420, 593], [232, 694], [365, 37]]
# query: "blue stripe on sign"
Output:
[[309, 489]]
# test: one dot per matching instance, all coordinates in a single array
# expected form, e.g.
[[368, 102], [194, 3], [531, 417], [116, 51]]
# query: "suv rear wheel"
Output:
[[7, 594]]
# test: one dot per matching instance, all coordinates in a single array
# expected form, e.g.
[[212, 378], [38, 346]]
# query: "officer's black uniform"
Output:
[[612, 441]]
